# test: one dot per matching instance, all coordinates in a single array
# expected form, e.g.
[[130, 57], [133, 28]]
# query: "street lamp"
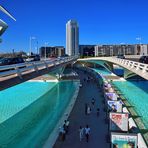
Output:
[[111, 50], [30, 43], [139, 39], [139, 48], [46, 43], [37, 43]]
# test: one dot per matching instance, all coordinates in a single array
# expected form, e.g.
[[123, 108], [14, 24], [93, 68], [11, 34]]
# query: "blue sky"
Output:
[[100, 22]]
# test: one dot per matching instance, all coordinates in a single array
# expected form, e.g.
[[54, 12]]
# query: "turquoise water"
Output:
[[25, 93], [32, 116], [137, 94], [102, 71]]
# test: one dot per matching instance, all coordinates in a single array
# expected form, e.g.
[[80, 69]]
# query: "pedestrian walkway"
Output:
[[78, 118]]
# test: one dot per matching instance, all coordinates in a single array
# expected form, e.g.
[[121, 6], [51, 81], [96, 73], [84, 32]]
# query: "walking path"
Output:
[[78, 118]]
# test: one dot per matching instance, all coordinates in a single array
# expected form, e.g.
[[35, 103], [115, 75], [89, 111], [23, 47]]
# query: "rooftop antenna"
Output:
[[7, 13]]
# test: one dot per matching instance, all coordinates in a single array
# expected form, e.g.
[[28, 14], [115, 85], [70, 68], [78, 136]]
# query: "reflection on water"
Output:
[[31, 126]]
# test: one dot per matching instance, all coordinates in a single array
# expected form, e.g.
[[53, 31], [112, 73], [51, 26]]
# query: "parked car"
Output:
[[9, 61], [121, 56], [33, 58], [144, 59]]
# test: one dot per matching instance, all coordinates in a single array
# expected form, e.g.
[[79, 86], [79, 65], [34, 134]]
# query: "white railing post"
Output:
[[144, 69], [133, 65], [35, 67], [137, 68], [126, 63], [129, 62], [18, 72], [46, 65]]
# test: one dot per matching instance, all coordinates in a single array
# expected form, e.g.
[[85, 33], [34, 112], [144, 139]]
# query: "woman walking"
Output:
[[81, 132]]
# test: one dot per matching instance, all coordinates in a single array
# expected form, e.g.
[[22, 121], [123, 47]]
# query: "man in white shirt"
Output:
[[87, 132]]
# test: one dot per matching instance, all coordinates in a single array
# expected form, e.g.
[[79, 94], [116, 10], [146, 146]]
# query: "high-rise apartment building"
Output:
[[72, 38], [114, 50]]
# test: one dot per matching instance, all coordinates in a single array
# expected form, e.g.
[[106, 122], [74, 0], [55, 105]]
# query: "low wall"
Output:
[[53, 137]]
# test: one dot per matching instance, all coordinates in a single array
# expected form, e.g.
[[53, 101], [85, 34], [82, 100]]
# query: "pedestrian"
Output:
[[66, 126], [62, 133], [87, 133], [98, 111], [86, 108], [81, 132], [93, 102]]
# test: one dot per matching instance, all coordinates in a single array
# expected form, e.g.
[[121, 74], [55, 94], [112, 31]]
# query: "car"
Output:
[[33, 58], [121, 56], [143, 59], [9, 61]]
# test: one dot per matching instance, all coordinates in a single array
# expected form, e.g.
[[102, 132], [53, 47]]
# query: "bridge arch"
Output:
[[131, 68]]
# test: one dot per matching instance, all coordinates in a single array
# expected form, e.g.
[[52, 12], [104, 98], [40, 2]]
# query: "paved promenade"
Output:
[[77, 117]]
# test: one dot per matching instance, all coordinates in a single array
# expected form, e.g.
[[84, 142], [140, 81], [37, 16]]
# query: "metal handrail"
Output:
[[19, 69]]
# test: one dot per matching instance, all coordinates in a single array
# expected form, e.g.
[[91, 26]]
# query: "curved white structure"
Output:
[[3, 25], [135, 67], [7, 13]]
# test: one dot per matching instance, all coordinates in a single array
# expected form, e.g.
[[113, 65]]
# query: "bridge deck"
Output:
[[9, 81], [77, 117]]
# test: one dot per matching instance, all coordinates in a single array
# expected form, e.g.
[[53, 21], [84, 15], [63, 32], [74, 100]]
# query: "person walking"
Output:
[[87, 132], [88, 110], [93, 102], [98, 111], [81, 132], [66, 126], [62, 133]]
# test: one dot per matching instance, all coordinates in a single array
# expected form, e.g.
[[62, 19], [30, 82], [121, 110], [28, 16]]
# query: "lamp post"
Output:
[[139, 49], [46, 43], [37, 47], [30, 43], [139, 39], [111, 50]]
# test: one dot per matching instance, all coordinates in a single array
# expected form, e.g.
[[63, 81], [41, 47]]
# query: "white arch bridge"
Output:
[[132, 68]]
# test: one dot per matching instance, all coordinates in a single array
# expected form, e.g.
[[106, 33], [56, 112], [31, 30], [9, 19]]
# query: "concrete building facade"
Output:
[[72, 38], [87, 50], [56, 51], [114, 50], [141, 49]]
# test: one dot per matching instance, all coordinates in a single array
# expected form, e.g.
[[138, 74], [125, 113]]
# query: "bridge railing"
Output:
[[20, 69], [136, 66]]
